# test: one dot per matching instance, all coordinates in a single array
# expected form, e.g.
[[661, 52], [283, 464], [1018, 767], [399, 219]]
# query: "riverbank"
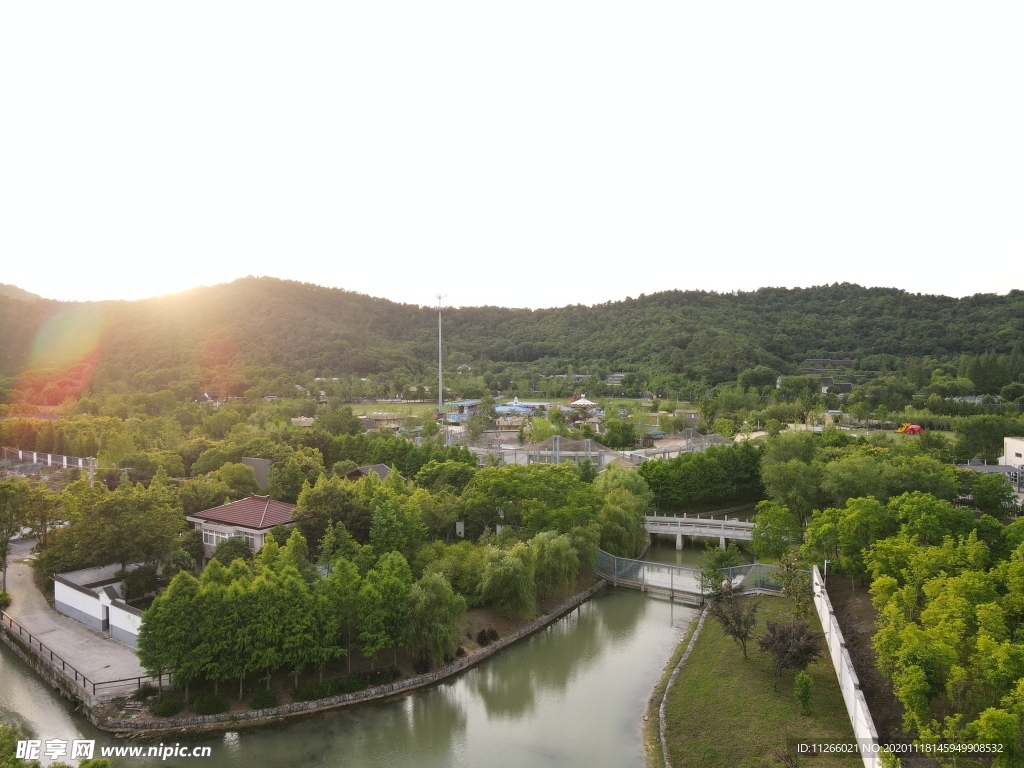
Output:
[[138, 723], [722, 710]]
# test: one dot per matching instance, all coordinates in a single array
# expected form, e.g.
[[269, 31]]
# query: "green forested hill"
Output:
[[300, 327]]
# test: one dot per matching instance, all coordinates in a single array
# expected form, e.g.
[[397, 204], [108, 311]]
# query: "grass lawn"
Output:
[[419, 410], [722, 710]]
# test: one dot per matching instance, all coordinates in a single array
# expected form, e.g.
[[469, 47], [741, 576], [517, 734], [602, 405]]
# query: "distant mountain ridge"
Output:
[[301, 326], [14, 292]]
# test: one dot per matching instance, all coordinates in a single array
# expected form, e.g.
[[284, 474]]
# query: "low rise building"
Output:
[[250, 519]]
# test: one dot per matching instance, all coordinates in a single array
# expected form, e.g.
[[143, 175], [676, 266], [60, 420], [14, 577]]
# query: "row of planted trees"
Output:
[[280, 614], [947, 581]]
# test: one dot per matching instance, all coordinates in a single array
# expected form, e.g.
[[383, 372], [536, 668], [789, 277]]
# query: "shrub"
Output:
[[483, 638], [5, 600], [421, 665], [460, 651], [492, 634], [209, 704], [314, 691], [802, 691], [263, 699], [145, 691], [167, 705], [350, 684]]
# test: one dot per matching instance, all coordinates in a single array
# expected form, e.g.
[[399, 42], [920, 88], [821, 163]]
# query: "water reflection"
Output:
[[574, 694]]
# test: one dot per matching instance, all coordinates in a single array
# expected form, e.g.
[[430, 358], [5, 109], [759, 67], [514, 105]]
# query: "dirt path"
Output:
[[856, 617]]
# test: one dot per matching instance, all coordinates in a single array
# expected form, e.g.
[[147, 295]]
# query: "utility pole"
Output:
[[440, 375]]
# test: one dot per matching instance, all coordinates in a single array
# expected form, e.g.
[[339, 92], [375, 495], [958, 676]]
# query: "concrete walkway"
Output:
[[94, 654]]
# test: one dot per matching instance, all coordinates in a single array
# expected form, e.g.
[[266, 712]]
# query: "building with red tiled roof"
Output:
[[249, 519]]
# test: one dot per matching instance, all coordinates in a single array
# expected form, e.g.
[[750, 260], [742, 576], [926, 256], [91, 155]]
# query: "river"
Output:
[[573, 694]]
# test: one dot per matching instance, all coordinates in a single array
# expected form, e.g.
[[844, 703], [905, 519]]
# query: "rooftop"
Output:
[[257, 512]]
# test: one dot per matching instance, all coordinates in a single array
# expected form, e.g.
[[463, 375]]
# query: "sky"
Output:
[[527, 154]]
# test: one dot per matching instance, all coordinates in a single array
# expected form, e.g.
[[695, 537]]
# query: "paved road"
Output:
[[94, 654]]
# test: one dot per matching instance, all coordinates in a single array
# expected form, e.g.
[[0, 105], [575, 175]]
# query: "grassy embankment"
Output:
[[722, 710]]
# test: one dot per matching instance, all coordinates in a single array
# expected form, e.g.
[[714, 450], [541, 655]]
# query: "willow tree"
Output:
[[556, 563], [435, 613], [508, 581]]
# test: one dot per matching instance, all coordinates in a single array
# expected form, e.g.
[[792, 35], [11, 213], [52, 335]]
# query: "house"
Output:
[[459, 411], [381, 470], [392, 421], [249, 519], [690, 417], [94, 597], [1013, 452]]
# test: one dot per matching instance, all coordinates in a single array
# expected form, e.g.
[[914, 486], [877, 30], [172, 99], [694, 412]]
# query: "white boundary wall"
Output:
[[124, 623], [856, 706]]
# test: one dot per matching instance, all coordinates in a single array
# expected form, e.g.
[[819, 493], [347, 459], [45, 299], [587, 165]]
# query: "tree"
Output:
[[287, 477], [556, 563], [508, 580], [802, 691], [239, 478], [792, 646], [297, 622], [736, 616], [230, 550], [992, 494], [336, 601], [167, 637], [331, 500], [713, 561], [619, 434], [453, 476], [383, 606], [776, 529], [793, 484], [11, 492], [435, 612]]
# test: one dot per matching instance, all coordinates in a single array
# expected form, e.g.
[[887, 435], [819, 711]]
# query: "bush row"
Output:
[[356, 681]]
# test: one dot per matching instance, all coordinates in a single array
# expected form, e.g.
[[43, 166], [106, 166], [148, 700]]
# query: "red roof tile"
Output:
[[253, 512]]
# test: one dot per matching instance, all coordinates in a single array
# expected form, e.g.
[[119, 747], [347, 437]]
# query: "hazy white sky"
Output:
[[522, 154]]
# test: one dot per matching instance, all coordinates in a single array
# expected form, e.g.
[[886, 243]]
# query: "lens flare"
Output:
[[63, 356]]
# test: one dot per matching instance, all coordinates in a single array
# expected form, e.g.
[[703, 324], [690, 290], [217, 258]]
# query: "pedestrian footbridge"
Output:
[[696, 525]]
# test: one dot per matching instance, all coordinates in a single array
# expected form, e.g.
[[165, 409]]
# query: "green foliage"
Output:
[[287, 477], [331, 500], [713, 561], [776, 529], [991, 494], [209, 704], [435, 613], [167, 705], [452, 476], [232, 549], [508, 580], [263, 699], [802, 692], [556, 563], [240, 479], [700, 479], [534, 496]]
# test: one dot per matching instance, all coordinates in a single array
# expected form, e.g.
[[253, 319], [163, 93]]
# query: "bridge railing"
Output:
[[756, 576], [677, 578]]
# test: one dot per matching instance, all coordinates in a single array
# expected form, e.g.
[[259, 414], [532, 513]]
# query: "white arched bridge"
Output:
[[696, 525]]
